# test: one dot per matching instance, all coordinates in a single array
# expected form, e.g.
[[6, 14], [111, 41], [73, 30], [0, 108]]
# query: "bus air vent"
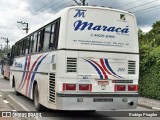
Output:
[[131, 67], [71, 64], [52, 87]]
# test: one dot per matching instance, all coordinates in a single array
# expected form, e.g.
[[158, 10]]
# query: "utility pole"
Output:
[[6, 40], [83, 2], [26, 27]]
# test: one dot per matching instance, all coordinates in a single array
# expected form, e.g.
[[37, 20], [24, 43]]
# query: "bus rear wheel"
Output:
[[14, 87], [37, 105]]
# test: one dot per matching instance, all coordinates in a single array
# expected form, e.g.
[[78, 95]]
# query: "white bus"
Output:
[[84, 58]]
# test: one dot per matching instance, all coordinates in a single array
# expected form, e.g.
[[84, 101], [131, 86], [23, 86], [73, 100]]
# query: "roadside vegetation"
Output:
[[149, 84], [3, 53]]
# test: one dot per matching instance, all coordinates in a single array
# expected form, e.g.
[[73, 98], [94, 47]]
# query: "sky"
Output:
[[36, 12]]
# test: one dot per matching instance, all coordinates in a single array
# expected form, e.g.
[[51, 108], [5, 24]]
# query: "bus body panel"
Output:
[[103, 103], [98, 52], [109, 30], [87, 73], [27, 70]]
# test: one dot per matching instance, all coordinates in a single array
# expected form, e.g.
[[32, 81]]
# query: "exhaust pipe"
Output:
[[131, 103]]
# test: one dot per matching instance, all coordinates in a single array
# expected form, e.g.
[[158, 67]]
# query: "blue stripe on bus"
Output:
[[33, 75], [101, 76], [25, 66], [108, 66]]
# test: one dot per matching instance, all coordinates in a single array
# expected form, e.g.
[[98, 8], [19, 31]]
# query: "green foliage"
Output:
[[149, 84], [4, 52], [1, 55]]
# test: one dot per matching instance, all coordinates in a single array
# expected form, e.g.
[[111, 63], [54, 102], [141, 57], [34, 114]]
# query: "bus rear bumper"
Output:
[[96, 101]]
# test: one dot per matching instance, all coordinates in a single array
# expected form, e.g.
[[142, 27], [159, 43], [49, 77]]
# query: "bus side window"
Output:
[[23, 42], [41, 40], [52, 36], [20, 47], [35, 43], [15, 50], [24, 46], [55, 35], [38, 41], [31, 44], [47, 36], [27, 45]]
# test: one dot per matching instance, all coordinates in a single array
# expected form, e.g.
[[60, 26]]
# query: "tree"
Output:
[[149, 84]]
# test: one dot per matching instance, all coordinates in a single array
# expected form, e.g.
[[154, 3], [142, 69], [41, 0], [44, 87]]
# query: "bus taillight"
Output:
[[120, 88], [132, 87], [85, 87], [67, 86]]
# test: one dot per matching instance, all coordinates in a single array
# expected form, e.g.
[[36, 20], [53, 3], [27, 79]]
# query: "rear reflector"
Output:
[[132, 87], [85, 87], [69, 87], [120, 88]]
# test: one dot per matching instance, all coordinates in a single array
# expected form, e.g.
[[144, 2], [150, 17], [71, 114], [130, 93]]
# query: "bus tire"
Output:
[[37, 105], [14, 87]]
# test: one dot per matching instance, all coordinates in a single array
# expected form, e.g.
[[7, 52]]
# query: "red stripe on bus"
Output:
[[30, 74], [26, 75], [104, 73], [102, 63]]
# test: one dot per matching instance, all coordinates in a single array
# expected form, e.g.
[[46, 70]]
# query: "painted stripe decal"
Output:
[[104, 73], [108, 66], [29, 76], [103, 68], [102, 63], [23, 72], [26, 73], [33, 75], [101, 76]]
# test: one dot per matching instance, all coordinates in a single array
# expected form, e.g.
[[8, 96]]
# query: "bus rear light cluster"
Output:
[[85, 87], [69, 87], [120, 88], [132, 87], [125, 88], [73, 87]]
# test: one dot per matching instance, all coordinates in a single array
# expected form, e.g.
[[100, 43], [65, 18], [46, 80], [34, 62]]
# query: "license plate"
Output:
[[103, 82]]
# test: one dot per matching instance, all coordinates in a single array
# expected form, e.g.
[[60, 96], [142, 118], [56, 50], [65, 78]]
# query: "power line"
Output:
[[58, 7], [40, 8], [62, 5], [46, 9], [141, 5], [44, 5], [146, 9], [128, 4]]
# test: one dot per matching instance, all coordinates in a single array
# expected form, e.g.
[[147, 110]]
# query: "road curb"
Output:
[[149, 107], [156, 108]]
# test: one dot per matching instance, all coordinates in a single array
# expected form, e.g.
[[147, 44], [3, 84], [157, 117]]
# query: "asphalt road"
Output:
[[20, 103]]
